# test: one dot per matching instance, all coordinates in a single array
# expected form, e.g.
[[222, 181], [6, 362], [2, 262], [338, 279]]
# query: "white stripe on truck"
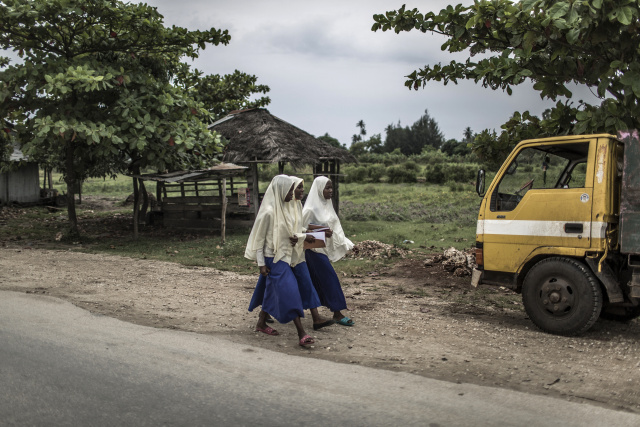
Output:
[[538, 228]]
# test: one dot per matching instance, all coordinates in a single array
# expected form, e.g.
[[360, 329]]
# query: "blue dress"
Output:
[[325, 281], [285, 292], [308, 292], [278, 292]]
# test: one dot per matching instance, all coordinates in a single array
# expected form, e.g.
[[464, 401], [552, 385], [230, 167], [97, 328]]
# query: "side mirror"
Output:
[[480, 183]]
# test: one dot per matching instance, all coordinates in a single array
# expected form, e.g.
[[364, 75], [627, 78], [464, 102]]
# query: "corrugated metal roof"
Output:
[[221, 170], [17, 155]]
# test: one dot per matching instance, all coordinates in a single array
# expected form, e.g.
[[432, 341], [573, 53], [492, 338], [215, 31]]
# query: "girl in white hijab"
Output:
[[318, 211], [274, 244], [308, 292]]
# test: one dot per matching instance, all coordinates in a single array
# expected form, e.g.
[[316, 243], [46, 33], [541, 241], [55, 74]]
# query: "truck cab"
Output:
[[548, 227]]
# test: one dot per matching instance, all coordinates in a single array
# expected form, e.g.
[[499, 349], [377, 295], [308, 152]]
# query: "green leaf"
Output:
[[572, 35], [558, 10], [582, 116], [602, 87], [539, 86], [636, 88], [529, 4], [624, 15]]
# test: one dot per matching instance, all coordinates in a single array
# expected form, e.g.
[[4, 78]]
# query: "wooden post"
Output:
[[223, 216], [255, 196], [280, 168]]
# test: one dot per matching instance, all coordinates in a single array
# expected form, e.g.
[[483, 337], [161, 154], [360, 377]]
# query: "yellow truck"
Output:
[[560, 224]]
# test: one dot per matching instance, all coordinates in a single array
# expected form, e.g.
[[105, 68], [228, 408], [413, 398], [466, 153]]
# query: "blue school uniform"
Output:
[[308, 292], [278, 292], [325, 281], [265, 288]]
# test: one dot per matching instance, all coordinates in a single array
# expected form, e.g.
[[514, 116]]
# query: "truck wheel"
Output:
[[620, 314], [561, 296]]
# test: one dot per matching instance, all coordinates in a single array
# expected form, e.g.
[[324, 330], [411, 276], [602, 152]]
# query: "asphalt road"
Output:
[[62, 366]]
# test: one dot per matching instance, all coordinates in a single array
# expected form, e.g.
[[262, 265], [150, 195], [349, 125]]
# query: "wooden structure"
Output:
[[256, 136], [21, 184], [211, 198]]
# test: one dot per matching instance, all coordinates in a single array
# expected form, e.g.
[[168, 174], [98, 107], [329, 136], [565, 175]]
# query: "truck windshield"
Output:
[[561, 166]]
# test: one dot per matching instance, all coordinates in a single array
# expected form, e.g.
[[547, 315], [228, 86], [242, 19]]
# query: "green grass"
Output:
[[121, 186], [423, 218], [430, 216]]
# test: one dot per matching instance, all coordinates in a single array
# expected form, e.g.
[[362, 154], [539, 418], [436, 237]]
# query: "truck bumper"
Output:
[[476, 277]]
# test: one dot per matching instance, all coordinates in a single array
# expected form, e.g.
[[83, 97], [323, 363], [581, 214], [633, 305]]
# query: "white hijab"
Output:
[[318, 210], [274, 214], [295, 206]]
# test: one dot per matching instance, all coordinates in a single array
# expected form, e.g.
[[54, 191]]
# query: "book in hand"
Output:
[[317, 227], [319, 242]]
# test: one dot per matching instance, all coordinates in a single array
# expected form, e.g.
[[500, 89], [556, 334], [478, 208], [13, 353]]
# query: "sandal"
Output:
[[268, 330], [345, 321], [317, 326], [306, 340]]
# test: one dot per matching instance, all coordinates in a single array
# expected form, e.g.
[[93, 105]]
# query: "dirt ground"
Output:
[[408, 317]]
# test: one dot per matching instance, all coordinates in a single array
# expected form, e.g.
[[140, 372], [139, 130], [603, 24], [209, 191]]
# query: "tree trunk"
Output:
[[145, 199], [70, 179], [136, 203]]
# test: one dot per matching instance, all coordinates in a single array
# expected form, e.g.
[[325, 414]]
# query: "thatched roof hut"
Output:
[[257, 136]]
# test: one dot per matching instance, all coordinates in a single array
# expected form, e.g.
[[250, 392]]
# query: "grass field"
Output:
[[423, 218]]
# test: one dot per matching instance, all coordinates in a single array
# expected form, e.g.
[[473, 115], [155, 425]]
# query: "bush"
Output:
[[266, 172], [432, 157], [399, 174], [355, 174], [434, 174], [412, 166], [459, 172], [376, 172]]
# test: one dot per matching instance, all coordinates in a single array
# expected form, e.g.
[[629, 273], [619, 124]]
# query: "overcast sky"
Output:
[[327, 70]]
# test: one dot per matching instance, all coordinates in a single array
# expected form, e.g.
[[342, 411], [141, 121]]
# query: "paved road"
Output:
[[62, 366]]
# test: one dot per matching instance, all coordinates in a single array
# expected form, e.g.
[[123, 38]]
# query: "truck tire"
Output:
[[561, 296], [620, 314]]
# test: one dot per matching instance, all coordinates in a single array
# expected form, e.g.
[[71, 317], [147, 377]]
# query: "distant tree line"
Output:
[[423, 136]]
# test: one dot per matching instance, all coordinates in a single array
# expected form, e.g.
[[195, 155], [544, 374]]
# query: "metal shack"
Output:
[[20, 184]]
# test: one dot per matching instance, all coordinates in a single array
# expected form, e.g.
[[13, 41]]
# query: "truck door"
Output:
[[543, 198]]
